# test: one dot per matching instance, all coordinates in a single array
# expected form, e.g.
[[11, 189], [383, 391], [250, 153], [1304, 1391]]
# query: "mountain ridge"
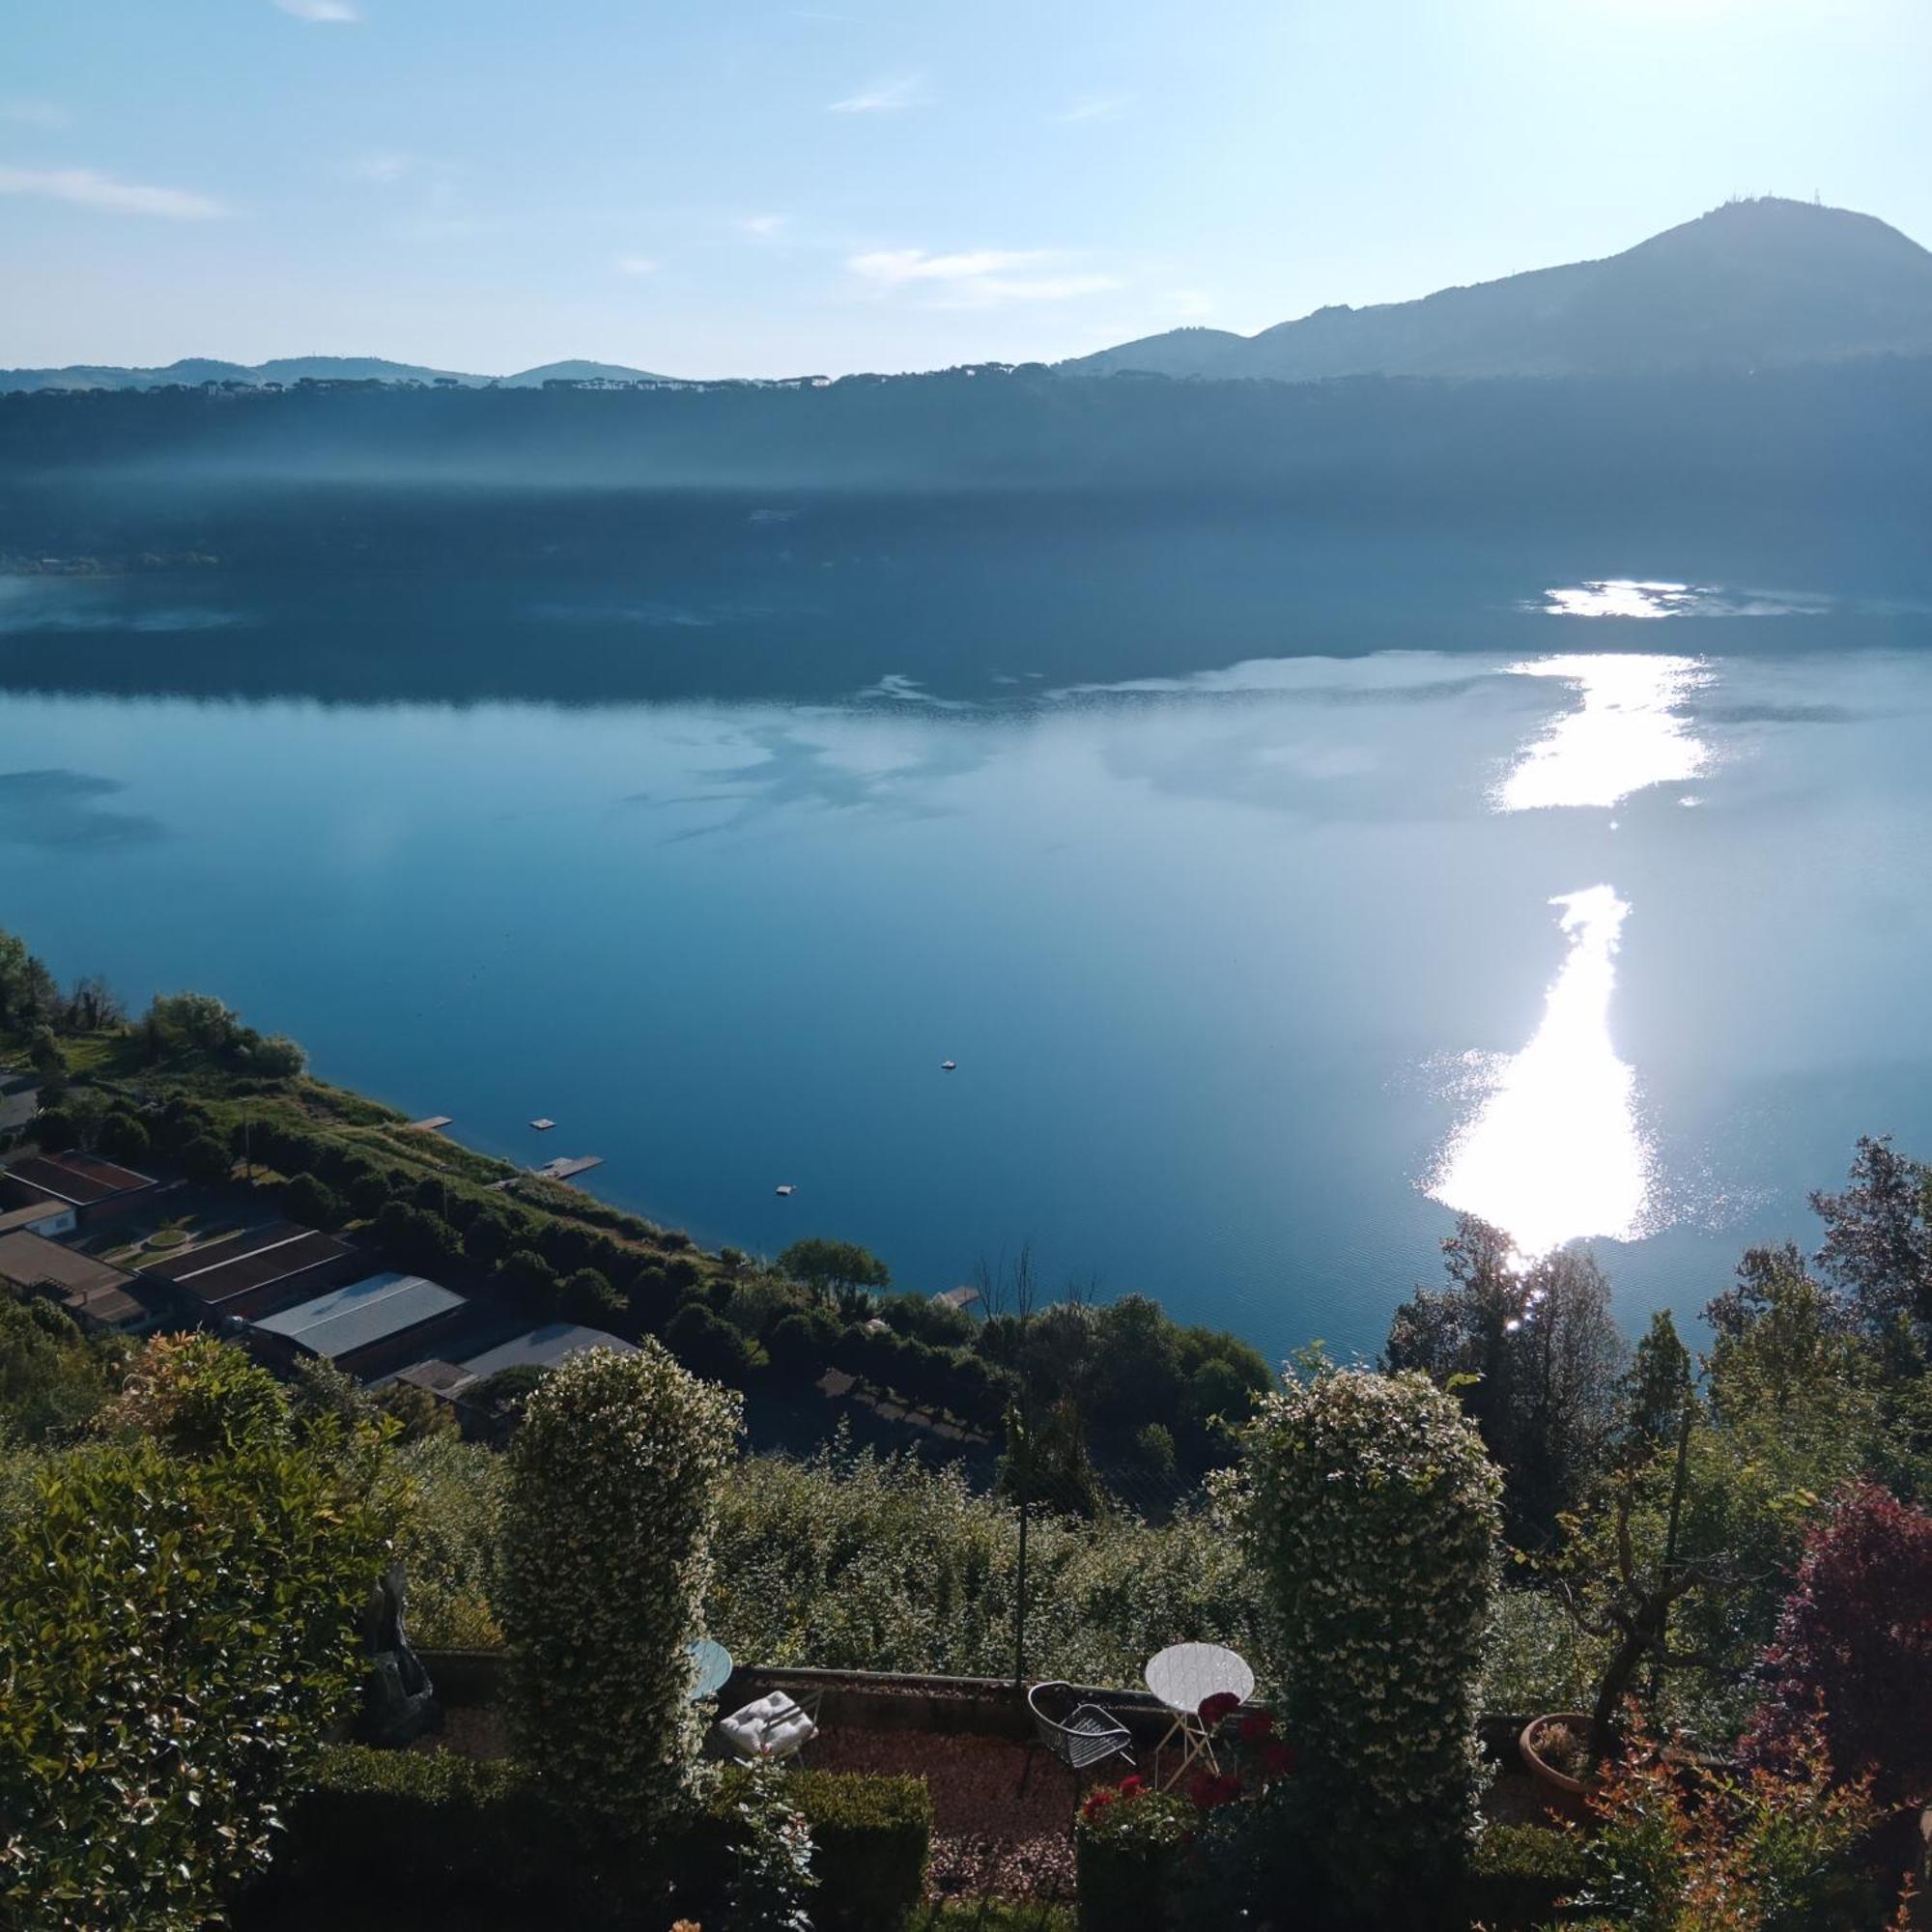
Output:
[[288, 369], [1765, 282]]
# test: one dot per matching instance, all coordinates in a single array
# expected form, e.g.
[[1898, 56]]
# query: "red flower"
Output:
[[1256, 1725], [1131, 1787], [1210, 1789], [1097, 1802], [1223, 1704]]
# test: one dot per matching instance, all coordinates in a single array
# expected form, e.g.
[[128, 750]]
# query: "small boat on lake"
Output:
[[787, 1189]]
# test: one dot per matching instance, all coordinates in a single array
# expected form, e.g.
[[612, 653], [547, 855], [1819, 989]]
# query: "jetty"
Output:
[[569, 1168], [435, 1124]]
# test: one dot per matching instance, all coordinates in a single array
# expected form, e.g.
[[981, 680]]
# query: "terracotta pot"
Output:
[[1566, 1796]]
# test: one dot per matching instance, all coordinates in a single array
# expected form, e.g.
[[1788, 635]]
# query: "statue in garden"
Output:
[[398, 1699]]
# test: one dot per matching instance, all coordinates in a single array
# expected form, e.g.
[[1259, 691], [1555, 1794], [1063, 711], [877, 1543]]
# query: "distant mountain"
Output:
[[288, 369], [1753, 284], [577, 372]]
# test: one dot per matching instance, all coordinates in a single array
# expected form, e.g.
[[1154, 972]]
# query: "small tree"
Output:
[[1373, 1514], [177, 1630], [1856, 1639], [612, 1494]]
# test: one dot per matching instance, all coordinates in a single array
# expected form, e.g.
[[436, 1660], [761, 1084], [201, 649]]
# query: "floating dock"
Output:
[[435, 1124], [569, 1169], [543, 1127]]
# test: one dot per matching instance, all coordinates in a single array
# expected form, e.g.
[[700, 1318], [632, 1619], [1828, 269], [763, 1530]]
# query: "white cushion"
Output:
[[788, 1735]]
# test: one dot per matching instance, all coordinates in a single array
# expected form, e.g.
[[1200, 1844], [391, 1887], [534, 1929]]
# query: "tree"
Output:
[[1854, 1639], [1535, 1358], [589, 1296], [1877, 1237], [828, 1268], [207, 1162], [1371, 1512], [93, 1007], [611, 1503], [177, 1633], [28, 993], [1656, 1387], [708, 1345], [123, 1137], [306, 1199]]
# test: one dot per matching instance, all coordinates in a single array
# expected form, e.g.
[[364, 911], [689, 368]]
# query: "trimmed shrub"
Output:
[[371, 1820], [429, 1825], [1130, 1848], [871, 1841], [610, 1501], [1519, 1876], [1373, 1516]]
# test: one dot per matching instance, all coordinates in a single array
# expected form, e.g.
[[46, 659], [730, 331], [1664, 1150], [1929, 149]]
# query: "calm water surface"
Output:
[[1251, 975]]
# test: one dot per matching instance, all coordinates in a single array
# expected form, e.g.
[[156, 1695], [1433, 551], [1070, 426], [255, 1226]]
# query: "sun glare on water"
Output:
[[1625, 733], [1554, 1152]]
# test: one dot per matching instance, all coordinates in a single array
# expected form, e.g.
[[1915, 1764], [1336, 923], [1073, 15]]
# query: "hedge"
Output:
[[434, 1824], [425, 1821], [1519, 1875], [870, 1837]]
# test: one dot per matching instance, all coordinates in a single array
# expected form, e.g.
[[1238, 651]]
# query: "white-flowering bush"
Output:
[[1373, 1514], [606, 1552]]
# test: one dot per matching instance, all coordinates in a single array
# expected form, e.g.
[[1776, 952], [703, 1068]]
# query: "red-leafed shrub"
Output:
[[1854, 1639]]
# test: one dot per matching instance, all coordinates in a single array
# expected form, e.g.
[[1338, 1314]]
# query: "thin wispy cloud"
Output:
[[637, 264], [1095, 107], [322, 12], [381, 165], [885, 96], [1191, 303], [977, 278], [86, 187], [43, 114], [762, 225]]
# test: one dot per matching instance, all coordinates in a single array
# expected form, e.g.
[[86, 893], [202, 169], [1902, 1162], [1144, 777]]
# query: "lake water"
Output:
[[1250, 973]]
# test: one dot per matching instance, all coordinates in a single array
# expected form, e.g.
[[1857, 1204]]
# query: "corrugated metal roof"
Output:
[[352, 1318], [544, 1347]]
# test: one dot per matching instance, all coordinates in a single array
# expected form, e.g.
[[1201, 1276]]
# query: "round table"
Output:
[[714, 1668], [1183, 1677]]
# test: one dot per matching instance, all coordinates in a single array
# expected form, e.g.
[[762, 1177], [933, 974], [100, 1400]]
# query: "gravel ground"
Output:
[[987, 1839]]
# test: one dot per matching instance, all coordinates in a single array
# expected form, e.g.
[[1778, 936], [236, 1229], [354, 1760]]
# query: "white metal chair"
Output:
[[1079, 1735]]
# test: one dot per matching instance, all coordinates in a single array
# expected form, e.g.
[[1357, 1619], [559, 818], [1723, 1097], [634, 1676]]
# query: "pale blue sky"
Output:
[[734, 189]]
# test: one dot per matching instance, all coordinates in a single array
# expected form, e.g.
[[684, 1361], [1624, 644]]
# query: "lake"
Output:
[[1609, 923]]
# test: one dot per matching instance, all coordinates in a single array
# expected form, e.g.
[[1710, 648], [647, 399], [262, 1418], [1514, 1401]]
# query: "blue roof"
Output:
[[346, 1318], [544, 1347]]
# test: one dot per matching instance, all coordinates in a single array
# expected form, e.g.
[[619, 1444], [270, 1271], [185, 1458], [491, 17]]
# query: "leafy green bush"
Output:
[[446, 1540], [52, 1377], [1373, 1516], [1129, 1849], [176, 1633], [613, 1492], [857, 1561], [1519, 1875]]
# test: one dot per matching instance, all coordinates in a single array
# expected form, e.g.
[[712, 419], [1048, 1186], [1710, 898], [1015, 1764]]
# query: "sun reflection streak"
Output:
[[1625, 733], [1554, 1152]]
